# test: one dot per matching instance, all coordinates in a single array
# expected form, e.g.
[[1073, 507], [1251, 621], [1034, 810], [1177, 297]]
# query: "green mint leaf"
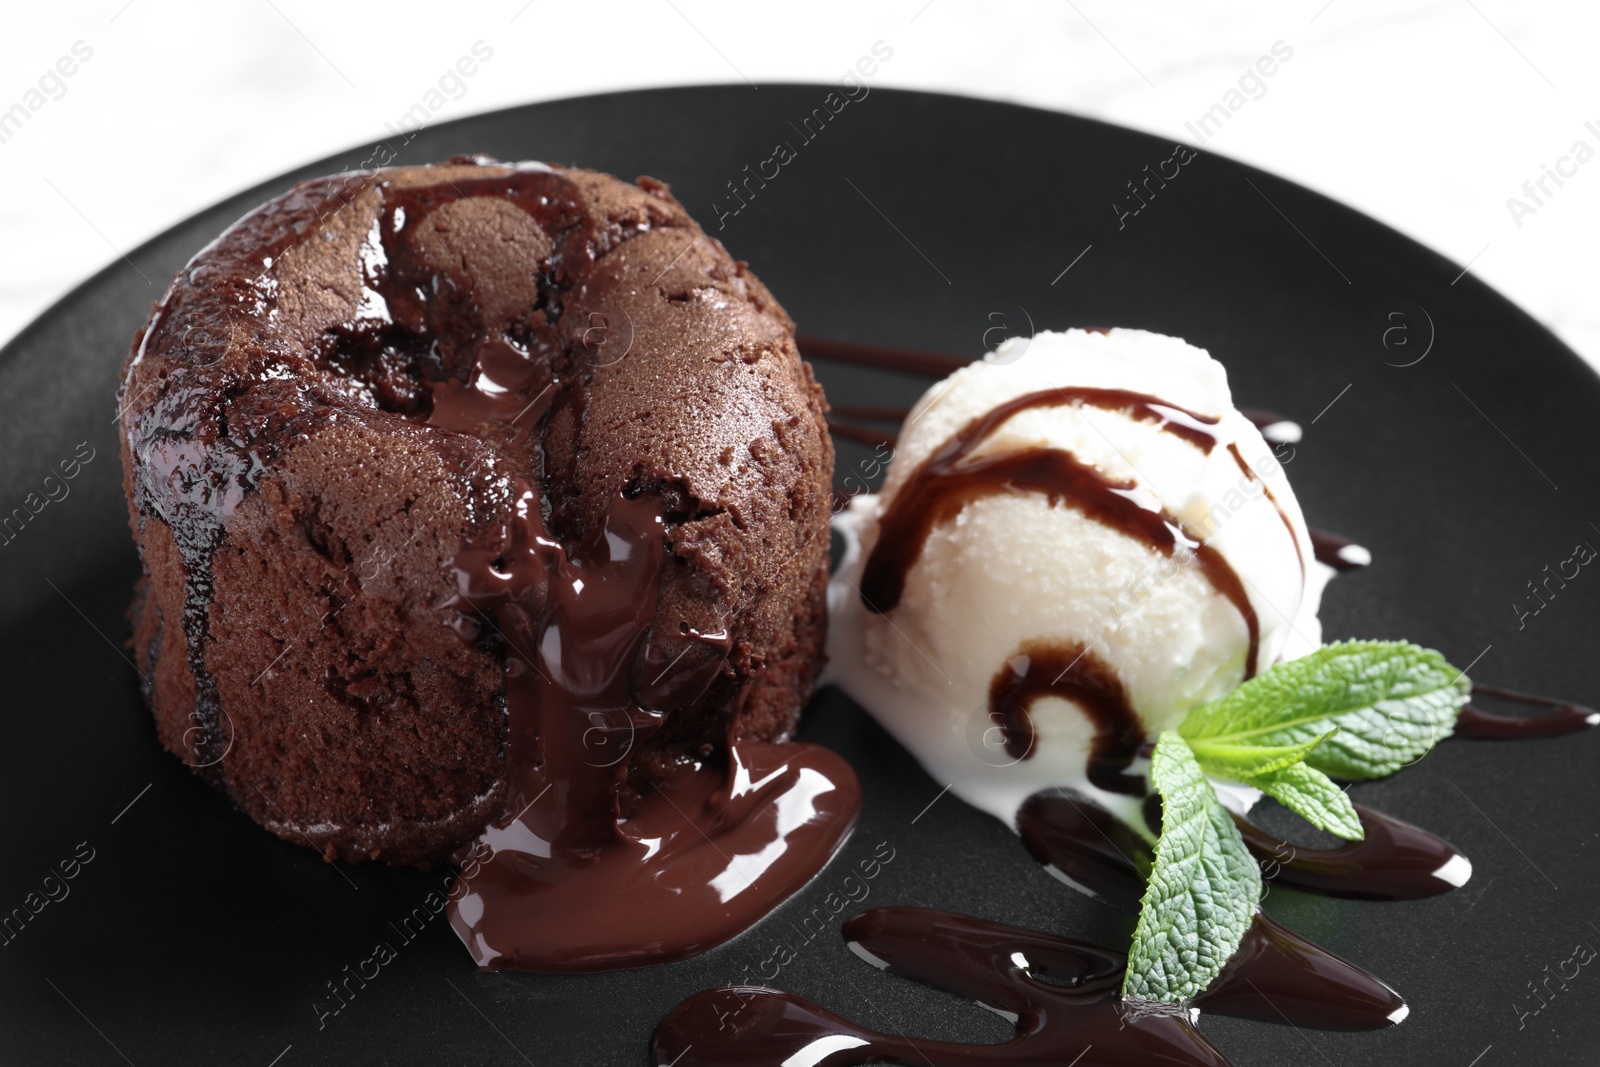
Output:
[[1239, 762], [1203, 889], [1312, 795], [1391, 702]]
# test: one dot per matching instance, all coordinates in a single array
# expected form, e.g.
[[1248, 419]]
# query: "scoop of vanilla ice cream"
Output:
[[1013, 568]]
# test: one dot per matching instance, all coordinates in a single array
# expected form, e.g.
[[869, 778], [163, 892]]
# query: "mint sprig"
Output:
[[1390, 701], [1281, 772], [1202, 890], [1355, 709], [1314, 797], [1230, 758]]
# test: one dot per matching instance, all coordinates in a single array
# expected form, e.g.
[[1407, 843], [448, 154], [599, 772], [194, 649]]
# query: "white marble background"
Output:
[[1428, 114]]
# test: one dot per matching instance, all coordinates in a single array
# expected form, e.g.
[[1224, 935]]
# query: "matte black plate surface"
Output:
[[914, 220]]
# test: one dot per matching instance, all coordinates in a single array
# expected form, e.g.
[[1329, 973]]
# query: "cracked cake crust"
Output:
[[307, 449]]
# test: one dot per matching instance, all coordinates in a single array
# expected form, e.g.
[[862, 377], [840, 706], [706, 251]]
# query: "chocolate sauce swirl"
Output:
[[1072, 672], [953, 477], [1277, 976]]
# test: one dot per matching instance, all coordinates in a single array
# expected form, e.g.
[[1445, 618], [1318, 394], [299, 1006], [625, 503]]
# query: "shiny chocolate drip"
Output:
[[1082, 844], [622, 878], [593, 866], [503, 379], [924, 364], [1074, 673], [1562, 718], [1330, 549], [1277, 976], [189, 472], [1395, 861], [464, 370], [952, 477]]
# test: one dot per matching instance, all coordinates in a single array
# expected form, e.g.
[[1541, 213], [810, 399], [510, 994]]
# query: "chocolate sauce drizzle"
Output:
[[934, 365], [952, 477], [1275, 429], [1562, 718], [190, 472], [1074, 673], [840, 423], [1395, 861], [861, 435], [870, 412], [1277, 976], [1063, 996], [923, 364], [1332, 550], [1085, 846]]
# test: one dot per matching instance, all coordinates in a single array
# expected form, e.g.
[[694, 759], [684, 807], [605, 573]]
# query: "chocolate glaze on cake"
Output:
[[335, 414]]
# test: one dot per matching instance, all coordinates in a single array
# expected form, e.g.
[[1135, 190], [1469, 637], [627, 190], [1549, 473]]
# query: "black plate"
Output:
[[914, 220]]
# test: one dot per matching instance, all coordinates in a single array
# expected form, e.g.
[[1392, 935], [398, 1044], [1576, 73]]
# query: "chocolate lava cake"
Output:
[[356, 385]]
